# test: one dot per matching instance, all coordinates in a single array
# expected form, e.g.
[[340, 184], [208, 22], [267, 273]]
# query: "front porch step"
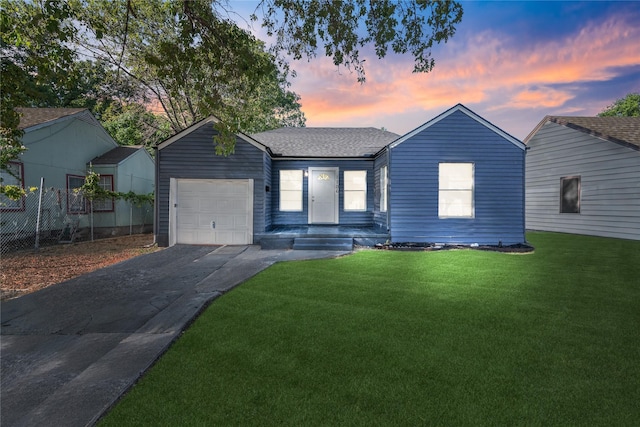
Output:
[[323, 243]]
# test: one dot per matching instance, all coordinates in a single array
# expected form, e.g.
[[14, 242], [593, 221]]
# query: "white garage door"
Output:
[[214, 212]]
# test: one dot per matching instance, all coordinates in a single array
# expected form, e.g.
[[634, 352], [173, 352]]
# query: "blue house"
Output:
[[455, 179]]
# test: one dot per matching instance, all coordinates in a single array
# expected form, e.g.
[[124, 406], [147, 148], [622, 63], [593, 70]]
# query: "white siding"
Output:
[[610, 183]]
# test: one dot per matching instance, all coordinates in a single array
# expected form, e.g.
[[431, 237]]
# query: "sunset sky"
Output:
[[510, 62]]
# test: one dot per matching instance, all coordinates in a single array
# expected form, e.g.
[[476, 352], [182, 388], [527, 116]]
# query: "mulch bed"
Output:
[[409, 246]]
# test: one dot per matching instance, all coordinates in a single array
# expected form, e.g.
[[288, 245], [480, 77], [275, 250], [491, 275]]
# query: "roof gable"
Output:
[[209, 120], [40, 117], [471, 114], [620, 130], [325, 142]]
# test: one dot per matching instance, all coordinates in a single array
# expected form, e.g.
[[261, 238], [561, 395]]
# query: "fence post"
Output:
[[39, 213]]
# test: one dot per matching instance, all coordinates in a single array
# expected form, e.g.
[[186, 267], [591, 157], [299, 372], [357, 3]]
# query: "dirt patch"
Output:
[[27, 271]]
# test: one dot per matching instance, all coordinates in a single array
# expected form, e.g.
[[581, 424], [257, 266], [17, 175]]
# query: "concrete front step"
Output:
[[323, 243]]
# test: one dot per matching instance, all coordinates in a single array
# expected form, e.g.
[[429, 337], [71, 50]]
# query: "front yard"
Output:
[[413, 338]]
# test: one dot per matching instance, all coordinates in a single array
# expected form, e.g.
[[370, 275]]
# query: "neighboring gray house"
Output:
[[62, 143], [455, 179], [583, 176]]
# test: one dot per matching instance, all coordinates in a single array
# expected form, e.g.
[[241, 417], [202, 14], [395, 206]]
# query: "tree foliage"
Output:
[[341, 28], [629, 106], [189, 59]]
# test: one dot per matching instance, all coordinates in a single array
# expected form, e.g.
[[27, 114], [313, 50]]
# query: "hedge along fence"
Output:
[[40, 216]]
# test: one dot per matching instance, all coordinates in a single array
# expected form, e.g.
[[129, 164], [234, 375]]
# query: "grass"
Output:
[[413, 338]]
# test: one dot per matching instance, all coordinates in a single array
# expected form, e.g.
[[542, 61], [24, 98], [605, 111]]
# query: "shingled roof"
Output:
[[116, 155], [621, 130], [325, 142], [34, 116]]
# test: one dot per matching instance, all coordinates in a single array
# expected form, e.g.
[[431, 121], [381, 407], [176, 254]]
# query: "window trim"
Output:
[[345, 191], [562, 192], [69, 201], [281, 191], [384, 185], [22, 207], [472, 190], [111, 200]]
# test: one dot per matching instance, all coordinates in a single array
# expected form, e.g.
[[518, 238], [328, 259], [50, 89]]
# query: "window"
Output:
[[76, 202], [355, 190], [384, 180], [291, 190], [455, 195], [14, 175], [570, 194], [106, 205]]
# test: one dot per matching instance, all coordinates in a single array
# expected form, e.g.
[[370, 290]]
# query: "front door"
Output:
[[323, 195]]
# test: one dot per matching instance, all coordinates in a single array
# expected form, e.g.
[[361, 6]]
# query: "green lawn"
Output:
[[413, 338]]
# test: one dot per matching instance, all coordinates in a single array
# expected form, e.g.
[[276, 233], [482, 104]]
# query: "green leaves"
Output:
[[629, 106], [343, 27], [92, 190]]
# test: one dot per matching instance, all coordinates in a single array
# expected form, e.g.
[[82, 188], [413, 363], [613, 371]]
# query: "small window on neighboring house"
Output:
[[291, 190], [570, 194], [383, 188], [455, 194], [106, 205], [355, 190], [76, 202], [14, 175]]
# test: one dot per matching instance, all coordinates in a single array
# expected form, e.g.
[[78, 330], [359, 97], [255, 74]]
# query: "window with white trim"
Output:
[[355, 190], [105, 205], [14, 175], [570, 194], [291, 190], [76, 203], [384, 182], [455, 190]]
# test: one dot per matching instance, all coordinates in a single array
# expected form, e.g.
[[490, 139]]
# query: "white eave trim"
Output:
[[198, 125], [469, 113]]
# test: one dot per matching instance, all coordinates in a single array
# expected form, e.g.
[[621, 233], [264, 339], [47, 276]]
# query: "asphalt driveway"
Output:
[[69, 351]]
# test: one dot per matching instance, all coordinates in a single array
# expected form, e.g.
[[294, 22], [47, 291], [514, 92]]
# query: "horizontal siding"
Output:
[[301, 218], [610, 184], [498, 193], [267, 199], [380, 219], [194, 157]]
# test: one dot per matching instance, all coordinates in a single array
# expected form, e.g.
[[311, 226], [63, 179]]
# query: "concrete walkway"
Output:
[[68, 352]]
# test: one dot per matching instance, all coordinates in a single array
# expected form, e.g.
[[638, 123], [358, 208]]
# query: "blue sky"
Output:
[[511, 62]]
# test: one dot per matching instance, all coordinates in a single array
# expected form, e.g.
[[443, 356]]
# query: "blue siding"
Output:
[[499, 185], [300, 218], [193, 156], [380, 219], [268, 194]]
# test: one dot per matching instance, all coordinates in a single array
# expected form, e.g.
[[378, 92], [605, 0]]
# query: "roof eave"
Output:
[[468, 112], [198, 125]]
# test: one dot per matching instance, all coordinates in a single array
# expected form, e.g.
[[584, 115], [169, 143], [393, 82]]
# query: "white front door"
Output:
[[212, 211], [323, 195]]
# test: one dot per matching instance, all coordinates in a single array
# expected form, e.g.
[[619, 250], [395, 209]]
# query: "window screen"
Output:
[[570, 194], [290, 190], [355, 190], [456, 186]]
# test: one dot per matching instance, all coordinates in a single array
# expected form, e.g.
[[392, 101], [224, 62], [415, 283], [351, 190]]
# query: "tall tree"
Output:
[[629, 106], [191, 59]]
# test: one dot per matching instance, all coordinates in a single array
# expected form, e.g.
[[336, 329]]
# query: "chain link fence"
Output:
[[52, 215]]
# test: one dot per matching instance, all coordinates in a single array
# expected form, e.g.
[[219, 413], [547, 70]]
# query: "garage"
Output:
[[211, 211]]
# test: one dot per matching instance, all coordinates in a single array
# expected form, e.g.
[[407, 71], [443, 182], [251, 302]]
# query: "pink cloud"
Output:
[[488, 69]]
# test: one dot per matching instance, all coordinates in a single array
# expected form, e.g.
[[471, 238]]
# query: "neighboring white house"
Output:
[[61, 145], [583, 176]]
